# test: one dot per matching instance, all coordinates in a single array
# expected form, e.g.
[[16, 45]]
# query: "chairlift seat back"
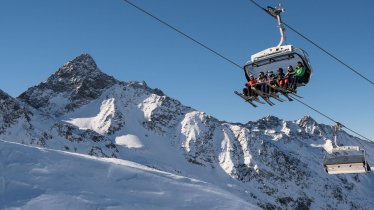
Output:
[[346, 164]]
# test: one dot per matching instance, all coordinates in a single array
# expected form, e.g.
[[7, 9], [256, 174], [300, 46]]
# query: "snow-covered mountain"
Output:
[[270, 163]]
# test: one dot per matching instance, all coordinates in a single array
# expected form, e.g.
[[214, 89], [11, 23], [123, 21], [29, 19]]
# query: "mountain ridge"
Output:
[[270, 162]]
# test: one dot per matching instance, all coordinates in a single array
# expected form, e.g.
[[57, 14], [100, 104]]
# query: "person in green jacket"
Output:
[[298, 74], [300, 70]]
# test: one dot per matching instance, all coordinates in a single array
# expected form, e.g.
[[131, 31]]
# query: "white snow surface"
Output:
[[129, 141], [38, 178], [101, 117]]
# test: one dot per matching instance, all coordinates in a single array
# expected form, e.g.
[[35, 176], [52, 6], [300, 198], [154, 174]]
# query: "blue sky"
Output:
[[39, 36]]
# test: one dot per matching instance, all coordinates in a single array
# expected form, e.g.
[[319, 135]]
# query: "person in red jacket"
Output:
[[251, 83], [280, 78]]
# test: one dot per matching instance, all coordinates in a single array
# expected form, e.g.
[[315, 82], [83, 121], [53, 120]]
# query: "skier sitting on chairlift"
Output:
[[261, 82], [270, 80], [280, 78], [289, 77], [251, 83], [298, 74]]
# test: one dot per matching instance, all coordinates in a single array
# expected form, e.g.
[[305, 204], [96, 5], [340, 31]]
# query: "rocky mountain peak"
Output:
[[269, 121], [80, 72], [307, 121], [75, 83], [82, 65]]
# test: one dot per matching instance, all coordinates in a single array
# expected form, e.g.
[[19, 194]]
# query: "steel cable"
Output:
[[229, 60]]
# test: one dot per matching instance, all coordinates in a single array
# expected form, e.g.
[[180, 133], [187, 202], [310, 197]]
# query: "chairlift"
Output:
[[345, 159], [281, 56]]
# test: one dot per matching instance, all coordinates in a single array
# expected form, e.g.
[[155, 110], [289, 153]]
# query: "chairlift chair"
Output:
[[345, 163], [281, 56]]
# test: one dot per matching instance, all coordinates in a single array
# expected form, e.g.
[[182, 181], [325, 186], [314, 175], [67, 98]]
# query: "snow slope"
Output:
[[39, 178]]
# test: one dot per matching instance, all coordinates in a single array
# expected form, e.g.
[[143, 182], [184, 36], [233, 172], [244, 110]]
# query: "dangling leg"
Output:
[[286, 83], [292, 83], [245, 91], [272, 89], [296, 80], [263, 88]]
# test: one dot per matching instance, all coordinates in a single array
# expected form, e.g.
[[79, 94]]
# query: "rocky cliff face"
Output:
[[15, 118], [74, 84], [273, 163]]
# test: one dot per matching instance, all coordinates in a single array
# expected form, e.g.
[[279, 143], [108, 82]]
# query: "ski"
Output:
[[258, 100], [285, 91], [290, 92], [263, 96], [275, 96], [285, 94], [246, 98]]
